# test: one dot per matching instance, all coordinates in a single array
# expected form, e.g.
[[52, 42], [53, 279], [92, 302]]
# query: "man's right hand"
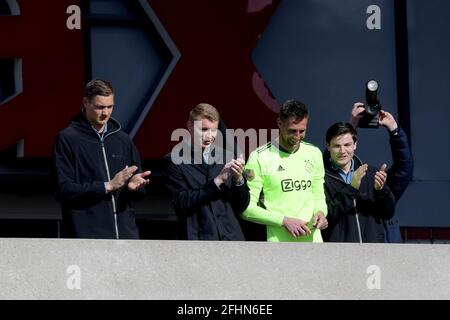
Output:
[[120, 179], [296, 227], [357, 114], [358, 175]]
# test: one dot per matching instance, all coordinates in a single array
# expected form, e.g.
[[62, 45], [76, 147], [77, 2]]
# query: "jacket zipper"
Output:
[[356, 210], [357, 222], [113, 199]]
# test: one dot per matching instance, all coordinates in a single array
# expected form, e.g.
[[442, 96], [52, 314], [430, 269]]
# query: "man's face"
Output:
[[98, 110], [342, 149], [203, 130], [292, 132]]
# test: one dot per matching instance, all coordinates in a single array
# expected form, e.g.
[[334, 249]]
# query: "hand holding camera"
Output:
[[367, 115], [387, 120], [357, 114], [371, 115]]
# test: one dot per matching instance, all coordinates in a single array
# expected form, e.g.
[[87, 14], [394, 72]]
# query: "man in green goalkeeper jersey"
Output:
[[290, 175]]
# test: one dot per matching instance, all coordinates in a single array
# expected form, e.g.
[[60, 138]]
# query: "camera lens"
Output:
[[373, 109], [372, 85]]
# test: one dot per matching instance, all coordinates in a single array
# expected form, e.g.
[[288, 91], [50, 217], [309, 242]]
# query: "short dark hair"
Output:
[[339, 129], [293, 108], [98, 87]]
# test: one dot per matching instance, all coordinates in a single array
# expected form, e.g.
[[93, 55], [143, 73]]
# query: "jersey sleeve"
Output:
[[255, 182], [320, 203]]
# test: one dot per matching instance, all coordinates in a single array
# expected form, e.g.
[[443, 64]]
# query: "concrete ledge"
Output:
[[45, 207], [103, 269]]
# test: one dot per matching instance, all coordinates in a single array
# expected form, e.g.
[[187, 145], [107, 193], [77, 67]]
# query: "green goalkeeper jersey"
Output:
[[291, 184]]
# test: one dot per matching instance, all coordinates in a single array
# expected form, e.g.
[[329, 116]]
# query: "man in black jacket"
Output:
[[206, 182], [401, 171], [98, 171], [358, 198]]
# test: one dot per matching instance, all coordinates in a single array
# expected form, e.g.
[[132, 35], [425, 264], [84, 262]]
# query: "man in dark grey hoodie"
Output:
[[98, 171]]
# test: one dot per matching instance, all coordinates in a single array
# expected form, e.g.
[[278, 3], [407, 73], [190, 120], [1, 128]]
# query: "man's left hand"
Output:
[[138, 181], [380, 177], [319, 221], [387, 120], [237, 168]]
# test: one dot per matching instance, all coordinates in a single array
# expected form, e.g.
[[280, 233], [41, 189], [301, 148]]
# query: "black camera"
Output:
[[371, 114]]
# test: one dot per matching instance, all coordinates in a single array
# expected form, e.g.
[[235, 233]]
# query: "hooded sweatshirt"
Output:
[[83, 162]]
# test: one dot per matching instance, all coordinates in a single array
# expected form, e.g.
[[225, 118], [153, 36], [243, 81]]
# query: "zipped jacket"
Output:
[[83, 162], [355, 215]]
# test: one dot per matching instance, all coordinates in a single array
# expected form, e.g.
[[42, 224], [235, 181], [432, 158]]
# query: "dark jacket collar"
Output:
[[80, 122]]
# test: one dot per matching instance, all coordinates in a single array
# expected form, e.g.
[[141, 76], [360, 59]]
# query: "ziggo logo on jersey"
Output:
[[289, 185]]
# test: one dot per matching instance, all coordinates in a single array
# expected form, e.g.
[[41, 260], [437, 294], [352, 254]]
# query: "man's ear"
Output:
[[328, 147], [356, 144], [190, 126], [279, 123], [85, 102]]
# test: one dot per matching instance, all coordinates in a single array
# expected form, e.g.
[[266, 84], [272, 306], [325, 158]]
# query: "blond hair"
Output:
[[204, 110]]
